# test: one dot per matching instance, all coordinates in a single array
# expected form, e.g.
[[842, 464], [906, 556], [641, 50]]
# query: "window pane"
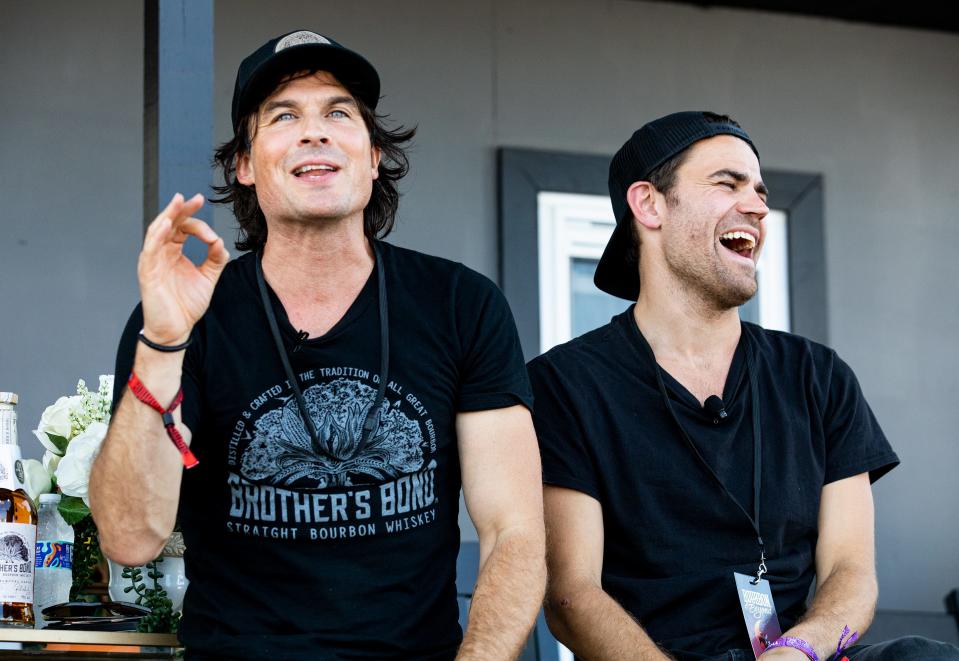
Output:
[[589, 307]]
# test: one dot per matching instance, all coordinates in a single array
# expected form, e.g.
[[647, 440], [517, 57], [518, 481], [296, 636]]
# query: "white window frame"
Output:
[[772, 273], [569, 225]]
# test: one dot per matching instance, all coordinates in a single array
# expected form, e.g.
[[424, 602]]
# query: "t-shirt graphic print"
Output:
[[382, 487]]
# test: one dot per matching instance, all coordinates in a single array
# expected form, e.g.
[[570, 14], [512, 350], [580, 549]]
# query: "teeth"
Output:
[[310, 168], [730, 236]]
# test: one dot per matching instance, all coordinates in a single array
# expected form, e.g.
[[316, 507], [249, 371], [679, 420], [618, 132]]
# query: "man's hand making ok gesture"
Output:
[[175, 292]]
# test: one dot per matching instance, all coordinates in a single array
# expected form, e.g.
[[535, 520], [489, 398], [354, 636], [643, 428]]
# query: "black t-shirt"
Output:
[[363, 566], [673, 536]]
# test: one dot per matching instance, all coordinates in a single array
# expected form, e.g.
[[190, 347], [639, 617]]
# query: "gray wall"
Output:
[[71, 133], [870, 108]]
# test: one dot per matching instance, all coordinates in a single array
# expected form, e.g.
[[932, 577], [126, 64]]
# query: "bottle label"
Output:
[[17, 548], [8, 426], [11, 467], [54, 555]]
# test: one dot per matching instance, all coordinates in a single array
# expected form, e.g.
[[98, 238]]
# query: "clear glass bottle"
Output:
[[18, 525]]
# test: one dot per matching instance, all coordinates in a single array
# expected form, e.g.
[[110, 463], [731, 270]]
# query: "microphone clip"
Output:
[[301, 337], [715, 407]]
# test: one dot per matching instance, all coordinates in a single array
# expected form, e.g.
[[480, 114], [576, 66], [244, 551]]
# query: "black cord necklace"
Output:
[[369, 421], [757, 442]]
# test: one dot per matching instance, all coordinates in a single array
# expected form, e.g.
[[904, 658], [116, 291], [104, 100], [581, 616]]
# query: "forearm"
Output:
[[846, 598], [590, 623], [135, 480], [507, 597]]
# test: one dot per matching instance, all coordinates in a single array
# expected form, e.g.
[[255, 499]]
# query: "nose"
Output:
[[753, 204], [314, 129]]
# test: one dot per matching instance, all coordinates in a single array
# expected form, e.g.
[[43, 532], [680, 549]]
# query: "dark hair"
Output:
[[378, 216]]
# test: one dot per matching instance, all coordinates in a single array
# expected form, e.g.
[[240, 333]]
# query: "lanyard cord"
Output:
[[757, 447], [373, 413]]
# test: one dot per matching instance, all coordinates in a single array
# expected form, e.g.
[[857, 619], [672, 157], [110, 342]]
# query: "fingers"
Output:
[[175, 223], [193, 227], [217, 257], [216, 250], [182, 213], [171, 218]]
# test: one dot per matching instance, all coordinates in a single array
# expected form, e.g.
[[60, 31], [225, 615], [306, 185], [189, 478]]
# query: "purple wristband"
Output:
[[846, 642], [795, 643]]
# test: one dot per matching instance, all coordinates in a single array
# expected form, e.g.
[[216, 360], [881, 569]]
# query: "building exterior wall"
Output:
[[870, 108]]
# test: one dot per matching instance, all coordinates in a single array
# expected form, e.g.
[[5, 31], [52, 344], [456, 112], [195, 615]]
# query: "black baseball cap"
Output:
[[295, 51], [652, 145]]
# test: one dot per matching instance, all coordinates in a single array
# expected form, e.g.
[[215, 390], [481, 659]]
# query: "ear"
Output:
[[244, 169], [375, 161], [642, 199]]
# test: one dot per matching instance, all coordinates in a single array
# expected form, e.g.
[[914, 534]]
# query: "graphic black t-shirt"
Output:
[[674, 536], [362, 566]]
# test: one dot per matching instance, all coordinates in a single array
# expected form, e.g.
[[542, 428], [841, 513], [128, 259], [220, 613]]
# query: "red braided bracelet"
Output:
[[140, 392]]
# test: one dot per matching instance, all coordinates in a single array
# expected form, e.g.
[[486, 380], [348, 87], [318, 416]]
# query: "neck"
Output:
[[317, 274], [681, 328], [317, 261]]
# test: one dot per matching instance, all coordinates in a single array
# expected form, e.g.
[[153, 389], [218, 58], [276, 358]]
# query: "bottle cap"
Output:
[[49, 498], [8, 398]]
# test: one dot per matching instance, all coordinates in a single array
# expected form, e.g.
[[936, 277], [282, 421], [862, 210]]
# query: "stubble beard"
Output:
[[705, 278]]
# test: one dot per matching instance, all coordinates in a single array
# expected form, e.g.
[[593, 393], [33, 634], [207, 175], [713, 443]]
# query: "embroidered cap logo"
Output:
[[298, 39]]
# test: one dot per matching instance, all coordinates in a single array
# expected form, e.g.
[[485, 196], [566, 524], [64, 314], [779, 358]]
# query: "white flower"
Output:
[[56, 420], [73, 472], [36, 478], [50, 461], [106, 385]]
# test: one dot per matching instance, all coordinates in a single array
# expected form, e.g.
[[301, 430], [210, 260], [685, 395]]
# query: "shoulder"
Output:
[[238, 280], [789, 347], [814, 365], [583, 354], [436, 272]]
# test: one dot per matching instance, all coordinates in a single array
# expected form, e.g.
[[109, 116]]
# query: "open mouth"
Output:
[[741, 243], [314, 171]]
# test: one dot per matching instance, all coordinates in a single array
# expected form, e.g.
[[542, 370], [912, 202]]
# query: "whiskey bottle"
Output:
[[18, 525]]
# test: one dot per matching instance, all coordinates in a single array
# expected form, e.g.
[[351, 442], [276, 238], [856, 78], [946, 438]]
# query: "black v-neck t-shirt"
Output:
[[363, 565], [673, 536]]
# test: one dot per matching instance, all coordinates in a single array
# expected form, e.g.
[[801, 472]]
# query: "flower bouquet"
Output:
[[72, 430]]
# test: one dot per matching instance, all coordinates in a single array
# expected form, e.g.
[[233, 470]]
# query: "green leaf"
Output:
[[73, 509], [58, 441]]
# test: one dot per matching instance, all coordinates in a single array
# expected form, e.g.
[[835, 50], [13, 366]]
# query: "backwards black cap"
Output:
[[647, 149], [297, 51]]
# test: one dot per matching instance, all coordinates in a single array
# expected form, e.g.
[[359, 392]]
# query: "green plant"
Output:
[[161, 618], [86, 556]]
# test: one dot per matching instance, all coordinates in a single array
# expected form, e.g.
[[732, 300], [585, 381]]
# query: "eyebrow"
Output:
[[270, 106], [739, 177], [338, 100]]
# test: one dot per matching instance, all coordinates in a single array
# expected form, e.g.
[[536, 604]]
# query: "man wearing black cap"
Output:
[[329, 393], [701, 471]]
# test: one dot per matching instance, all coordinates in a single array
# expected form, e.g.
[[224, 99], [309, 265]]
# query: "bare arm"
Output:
[[845, 568], [580, 613], [135, 480], [503, 493]]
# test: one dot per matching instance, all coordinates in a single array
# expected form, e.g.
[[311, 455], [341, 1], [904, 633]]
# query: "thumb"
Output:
[[216, 260]]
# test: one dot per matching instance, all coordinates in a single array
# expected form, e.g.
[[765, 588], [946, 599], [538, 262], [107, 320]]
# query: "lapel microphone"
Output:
[[715, 407], [302, 336]]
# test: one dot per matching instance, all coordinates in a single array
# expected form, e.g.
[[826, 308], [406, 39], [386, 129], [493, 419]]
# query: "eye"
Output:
[[284, 116], [730, 184], [339, 114]]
